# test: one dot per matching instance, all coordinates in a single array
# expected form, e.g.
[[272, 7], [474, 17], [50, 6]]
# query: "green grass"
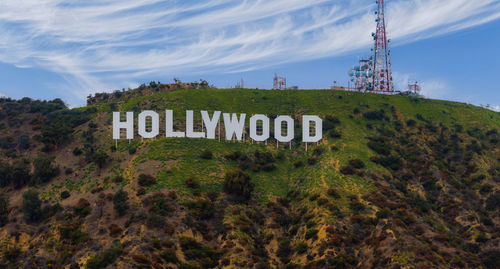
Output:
[[184, 153]]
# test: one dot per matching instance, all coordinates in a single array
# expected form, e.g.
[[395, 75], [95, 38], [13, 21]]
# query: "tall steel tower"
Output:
[[382, 75]]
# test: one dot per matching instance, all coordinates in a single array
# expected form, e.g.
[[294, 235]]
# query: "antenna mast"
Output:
[[382, 75]]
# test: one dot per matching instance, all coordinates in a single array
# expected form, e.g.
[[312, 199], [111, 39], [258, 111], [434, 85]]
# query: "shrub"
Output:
[[120, 202], [105, 258], [298, 163], [330, 122], [356, 206], [347, 170], [77, 151], [65, 194], [238, 184], [160, 205], [374, 115], [4, 209], [333, 193], [334, 133], [196, 251], [21, 173], [169, 256], [490, 258], [383, 213], [357, 163], [5, 174], [206, 154], [45, 169], [312, 160], [100, 158], [311, 233], [284, 250], [493, 202], [132, 150], [82, 208], [192, 183], [24, 141], [301, 247], [72, 234], [68, 171], [145, 180], [32, 206]]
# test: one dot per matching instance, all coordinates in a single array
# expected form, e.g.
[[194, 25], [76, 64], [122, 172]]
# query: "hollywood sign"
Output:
[[234, 126]]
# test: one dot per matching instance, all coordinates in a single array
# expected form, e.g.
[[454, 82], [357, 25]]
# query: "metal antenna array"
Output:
[[279, 83], [374, 74], [382, 75]]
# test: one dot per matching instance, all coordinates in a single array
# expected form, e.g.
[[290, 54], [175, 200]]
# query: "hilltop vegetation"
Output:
[[396, 182]]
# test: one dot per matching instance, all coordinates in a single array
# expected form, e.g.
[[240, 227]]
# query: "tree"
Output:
[[32, 206], [5, 174], [45, 168], [24, 141], [4, 209], [120, 202], [100, 158], [21, 173], [238, 184]]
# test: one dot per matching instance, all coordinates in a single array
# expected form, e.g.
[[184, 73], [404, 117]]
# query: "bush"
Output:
[[24, 141], [357, 163], [4, 209], [347, 170], [169, 256], [383, 213], [192, 183], [132, 150], [45, 169], [100, 158], [298, 163], [206, 154], [356, 206], [65, 194], [32, 206], [284, 250], [374, 115], [77, 151], [333, 193], [312, 160], [68, 171], [493, 202], [193, 250], [82, 208], [21, 173], [238, 184], [120, 202], [311, 233], [105, 258], [5, 174], [146, 180], [301, 247], [490, 258], [72, 234]]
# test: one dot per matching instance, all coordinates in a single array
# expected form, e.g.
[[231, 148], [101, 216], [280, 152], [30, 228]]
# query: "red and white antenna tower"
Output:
[[382, 75]]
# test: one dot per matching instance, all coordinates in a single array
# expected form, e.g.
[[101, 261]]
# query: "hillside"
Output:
[[395, 182]]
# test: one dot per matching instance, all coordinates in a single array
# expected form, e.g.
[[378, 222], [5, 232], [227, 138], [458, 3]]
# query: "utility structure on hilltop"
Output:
[[279, 83], [374, 74]]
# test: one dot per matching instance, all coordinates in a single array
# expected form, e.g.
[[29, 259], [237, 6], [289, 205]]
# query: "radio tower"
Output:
[[382, 75]]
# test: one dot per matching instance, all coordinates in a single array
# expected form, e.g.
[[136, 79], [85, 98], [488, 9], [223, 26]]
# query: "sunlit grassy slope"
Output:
[[180, 158]]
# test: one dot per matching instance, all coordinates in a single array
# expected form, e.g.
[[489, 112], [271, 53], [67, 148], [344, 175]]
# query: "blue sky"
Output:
[[70, 49]]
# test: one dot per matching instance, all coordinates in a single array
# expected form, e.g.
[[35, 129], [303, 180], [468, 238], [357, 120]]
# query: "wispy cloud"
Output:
[[98, 44]]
